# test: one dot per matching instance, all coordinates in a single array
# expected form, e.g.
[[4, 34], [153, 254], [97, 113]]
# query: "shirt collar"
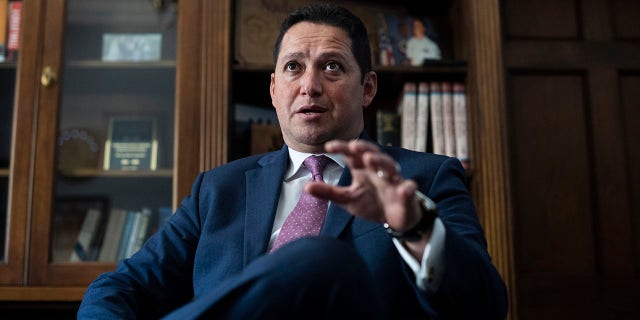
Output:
[[296, 159]]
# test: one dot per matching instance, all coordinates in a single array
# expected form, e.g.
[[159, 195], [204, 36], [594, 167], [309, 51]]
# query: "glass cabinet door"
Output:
[[7, 87], [10, 34], [108, 183]]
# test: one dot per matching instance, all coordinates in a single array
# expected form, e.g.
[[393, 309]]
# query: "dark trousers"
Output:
[[311, 278]]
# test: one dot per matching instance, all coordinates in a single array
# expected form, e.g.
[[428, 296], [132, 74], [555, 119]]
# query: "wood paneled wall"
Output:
[[573, 73]]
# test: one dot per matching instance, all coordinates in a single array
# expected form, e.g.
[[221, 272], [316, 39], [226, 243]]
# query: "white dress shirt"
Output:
[[428, 272]]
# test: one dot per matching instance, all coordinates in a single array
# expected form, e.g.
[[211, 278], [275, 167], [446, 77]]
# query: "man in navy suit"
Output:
[[381, 253]]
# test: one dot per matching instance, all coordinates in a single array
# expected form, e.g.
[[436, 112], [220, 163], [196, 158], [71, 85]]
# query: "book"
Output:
[[84, 248], [65, 227], [140, 232], [461, 123], [435, 105], [13, 34], [132, 234], [408, 116], [422, 117], [131, 144], [126, 234], [112, 235], [4, 19], [388, 128], [448, 126], [245, 116]]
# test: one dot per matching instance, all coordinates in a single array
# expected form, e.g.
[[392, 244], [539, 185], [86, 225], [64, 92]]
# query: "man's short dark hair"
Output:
[[337, 16]]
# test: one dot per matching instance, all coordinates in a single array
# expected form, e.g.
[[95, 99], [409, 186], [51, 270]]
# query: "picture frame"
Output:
[[131, 47], [407, 40], [131, 144]]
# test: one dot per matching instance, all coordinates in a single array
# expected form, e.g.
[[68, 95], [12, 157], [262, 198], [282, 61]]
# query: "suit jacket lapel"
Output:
[[337, 217], [262, 202]]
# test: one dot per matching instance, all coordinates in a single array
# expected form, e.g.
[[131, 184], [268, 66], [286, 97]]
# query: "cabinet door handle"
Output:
[[48, 76]]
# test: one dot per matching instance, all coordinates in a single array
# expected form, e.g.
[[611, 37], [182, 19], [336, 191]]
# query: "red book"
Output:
[[4, 7], [13, 36]]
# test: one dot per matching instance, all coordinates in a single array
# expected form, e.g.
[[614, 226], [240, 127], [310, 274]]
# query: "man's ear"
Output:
[[370, 88], [272, 86]]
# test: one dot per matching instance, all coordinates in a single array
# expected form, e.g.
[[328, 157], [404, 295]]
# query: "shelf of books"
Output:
[[430, 116], [92, 232]]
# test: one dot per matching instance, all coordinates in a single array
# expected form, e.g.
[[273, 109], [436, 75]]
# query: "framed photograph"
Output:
[[131, 144], [407, 40], [131, 46]]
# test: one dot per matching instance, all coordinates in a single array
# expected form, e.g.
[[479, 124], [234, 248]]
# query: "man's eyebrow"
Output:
[[292, 56], [332, 55]]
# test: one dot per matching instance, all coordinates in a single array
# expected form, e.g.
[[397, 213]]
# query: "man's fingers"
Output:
[[383, 165], [336, 146], [321, 190]]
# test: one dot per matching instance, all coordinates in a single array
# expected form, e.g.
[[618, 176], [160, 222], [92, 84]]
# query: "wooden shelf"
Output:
[[61, 294], [91, 173], [8, 65], [99, 64]]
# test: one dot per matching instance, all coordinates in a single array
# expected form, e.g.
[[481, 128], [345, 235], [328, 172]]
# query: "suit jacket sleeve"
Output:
[[471, 287]]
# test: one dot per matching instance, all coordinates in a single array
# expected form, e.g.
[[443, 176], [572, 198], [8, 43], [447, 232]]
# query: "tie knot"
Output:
[[316, 165]]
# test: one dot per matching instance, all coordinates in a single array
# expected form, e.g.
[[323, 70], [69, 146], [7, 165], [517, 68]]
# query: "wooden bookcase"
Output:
[[209, 81]]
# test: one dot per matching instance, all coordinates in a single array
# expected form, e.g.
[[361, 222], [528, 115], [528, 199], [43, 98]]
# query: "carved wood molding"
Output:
[[489, 142]]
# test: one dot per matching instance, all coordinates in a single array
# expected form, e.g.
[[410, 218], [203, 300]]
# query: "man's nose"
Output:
[[311, 84]]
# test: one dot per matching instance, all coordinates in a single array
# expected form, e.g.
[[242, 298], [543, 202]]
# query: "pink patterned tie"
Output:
[[307, 217]]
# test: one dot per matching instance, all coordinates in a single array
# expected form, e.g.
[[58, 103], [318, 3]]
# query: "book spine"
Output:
[[141, 230], [408, 112], [13, 37], [126, 234], [461, 123], [4, 7], [133, 234], [448, 125], [83, 247], [422, 119], [388, 128], [112, 235], [437, 132]]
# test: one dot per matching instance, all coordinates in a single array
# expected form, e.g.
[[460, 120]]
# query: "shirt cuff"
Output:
[[430, 271]]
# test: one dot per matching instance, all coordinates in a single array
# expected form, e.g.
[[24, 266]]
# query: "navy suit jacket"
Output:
[[226, 221]]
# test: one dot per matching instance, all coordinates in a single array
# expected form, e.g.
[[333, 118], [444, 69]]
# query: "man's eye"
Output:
[[332, 66], [291, 66]]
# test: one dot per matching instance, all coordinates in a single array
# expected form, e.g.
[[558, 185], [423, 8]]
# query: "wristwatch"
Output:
[[429, 214]]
